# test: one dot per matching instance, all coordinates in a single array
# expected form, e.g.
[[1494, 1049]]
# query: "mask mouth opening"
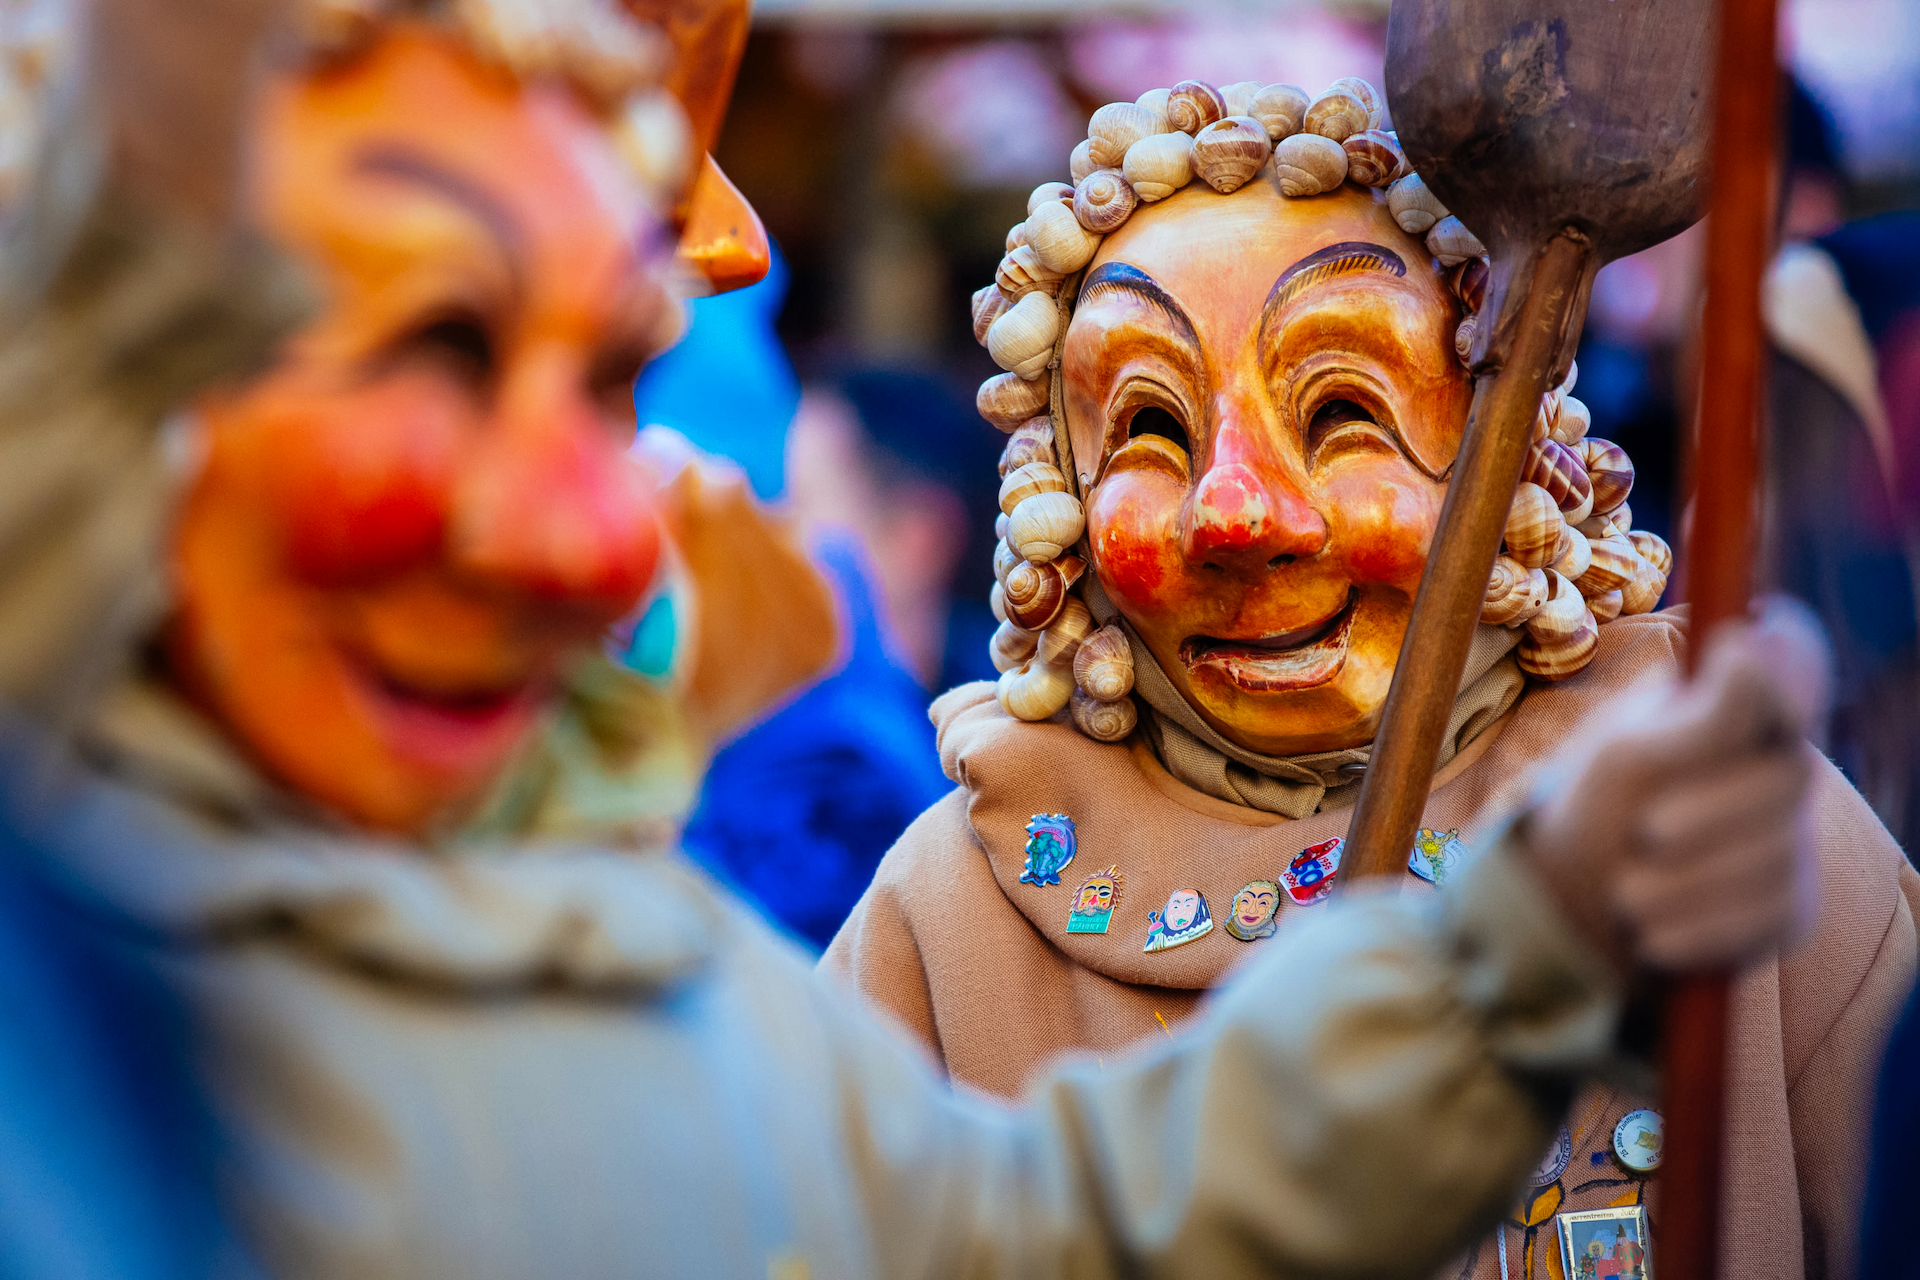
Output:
[[1303, 659]]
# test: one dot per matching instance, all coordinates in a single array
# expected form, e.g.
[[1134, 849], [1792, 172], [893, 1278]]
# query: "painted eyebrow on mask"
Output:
[[1323, 264], [1119, 277], [405, 165]]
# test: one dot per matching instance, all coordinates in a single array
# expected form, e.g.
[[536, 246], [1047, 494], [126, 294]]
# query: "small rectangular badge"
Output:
[[1605, 1244]]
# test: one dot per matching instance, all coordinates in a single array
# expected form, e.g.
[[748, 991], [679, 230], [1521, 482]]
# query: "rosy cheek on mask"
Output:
[[1133, 519], [1382, 523], [364, 481]]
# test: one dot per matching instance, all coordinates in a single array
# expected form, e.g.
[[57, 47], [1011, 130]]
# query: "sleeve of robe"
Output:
[[1363, 1098]]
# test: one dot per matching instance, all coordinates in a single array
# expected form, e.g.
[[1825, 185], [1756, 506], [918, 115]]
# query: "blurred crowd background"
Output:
[[889, 144]]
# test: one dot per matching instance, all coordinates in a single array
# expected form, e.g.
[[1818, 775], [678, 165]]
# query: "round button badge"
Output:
[[1554, 1162], [1638, 1141]]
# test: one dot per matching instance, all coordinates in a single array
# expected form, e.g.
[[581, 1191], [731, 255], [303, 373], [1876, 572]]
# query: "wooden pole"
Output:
[[1426, 681], [1725, 471]]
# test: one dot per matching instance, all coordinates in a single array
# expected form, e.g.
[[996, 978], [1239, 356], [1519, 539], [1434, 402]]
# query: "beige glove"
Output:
[[1671, 831]]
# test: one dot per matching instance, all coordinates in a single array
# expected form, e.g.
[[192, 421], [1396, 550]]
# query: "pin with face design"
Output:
[[1309, 877], [1253, 911], [1435, 854], [1051, 844], [1094, 901], [1183, 919]]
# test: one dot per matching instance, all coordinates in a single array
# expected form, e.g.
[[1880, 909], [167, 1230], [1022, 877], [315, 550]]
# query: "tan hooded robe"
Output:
[[980, 966]]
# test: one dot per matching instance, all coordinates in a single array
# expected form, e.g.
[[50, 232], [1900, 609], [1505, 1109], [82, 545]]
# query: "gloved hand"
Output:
[[1672, 828]]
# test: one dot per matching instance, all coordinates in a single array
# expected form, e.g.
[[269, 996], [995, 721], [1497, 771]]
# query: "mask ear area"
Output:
[[723, 239]]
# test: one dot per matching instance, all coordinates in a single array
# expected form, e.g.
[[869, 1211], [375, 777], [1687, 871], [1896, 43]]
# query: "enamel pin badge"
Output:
[[1051, 845], [1309, 877], [1435, 854], [1252, 915], [1094, 901], [1184, 918]]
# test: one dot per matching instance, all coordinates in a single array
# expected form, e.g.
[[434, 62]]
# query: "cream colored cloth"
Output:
[[1296, 786]]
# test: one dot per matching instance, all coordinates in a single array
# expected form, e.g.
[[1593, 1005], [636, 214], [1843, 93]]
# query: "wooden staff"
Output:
[[1719, 558]]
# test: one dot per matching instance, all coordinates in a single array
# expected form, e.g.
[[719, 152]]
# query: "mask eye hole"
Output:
[[1331, 418], [1152, 420]]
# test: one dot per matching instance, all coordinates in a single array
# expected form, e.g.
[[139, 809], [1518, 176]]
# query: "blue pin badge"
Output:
[[1051, 845], [1436, 854]]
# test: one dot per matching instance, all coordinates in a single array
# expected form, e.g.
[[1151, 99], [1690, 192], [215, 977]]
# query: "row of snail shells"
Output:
[[1569, 559]]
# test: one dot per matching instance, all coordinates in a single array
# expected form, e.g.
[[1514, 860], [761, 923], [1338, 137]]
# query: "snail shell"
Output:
[[1158, 166], [1463, 337], [1451, 242], [997, 600], [1061, 640], [1034, 690], [1280, 108], [1035, 594], [1555, 468], [988, 303], [1031, 441], [1514, 593], [1016, 236], [1228, 152], [1005, 558], [1308, 164], [1058, 239], [1573, 372], [1010, 646], [1543, 420], [1045, 525], [1104, 665], [1606, 606], [1469, 284], [1021, 340], [1413, 206], [1374, 158], [1558, 659], [1000, 523], [1643, 593], [1034, 477], [1021, 272], [1362, 90], [1049, 193], [1192, 105], [1653, 549], [1155, 100], [1080, 163], [1612, 565], [1239, 97], [1103, 721], [1103, 201], [1610, 469], [1534, 526], [1114, 129], [1622, 517], [1575, 557], [1338, 115], [1570, 425], [1562, 637], [1007, 401]]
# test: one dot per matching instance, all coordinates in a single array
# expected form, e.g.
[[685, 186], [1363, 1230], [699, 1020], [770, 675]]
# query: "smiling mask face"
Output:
[[403, 529], [1271, 392]]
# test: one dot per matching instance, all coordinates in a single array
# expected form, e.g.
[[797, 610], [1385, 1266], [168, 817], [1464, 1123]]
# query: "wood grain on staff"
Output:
[[1719, 558]]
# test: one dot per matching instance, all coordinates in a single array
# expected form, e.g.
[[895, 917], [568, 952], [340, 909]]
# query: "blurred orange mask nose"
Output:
[[724, 241], [404, 529]]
